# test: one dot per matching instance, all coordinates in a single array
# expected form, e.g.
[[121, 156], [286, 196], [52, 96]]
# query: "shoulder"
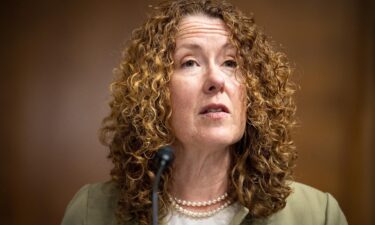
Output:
[[307, 205], [93, 204], [314, 205]]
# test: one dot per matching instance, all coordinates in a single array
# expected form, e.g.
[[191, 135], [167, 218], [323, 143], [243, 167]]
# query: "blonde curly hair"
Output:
[[139, 121]]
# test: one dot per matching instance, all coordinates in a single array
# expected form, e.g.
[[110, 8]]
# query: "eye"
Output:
[[189, 63], [230, 63]]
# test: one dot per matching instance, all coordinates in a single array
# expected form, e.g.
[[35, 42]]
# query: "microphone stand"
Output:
[[165, 156]]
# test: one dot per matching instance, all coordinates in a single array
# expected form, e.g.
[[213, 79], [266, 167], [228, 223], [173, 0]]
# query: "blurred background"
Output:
[[57, 59]]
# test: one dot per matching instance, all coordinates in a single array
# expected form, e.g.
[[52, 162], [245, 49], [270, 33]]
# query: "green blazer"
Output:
[[94, 204]]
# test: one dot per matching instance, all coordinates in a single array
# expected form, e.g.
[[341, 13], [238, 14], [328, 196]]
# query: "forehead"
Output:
[[193, 25]]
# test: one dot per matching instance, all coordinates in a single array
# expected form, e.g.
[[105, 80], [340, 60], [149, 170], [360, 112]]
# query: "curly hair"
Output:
[[139, 120]]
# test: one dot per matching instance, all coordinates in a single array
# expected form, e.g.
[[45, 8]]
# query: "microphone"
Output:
[[165, 157]]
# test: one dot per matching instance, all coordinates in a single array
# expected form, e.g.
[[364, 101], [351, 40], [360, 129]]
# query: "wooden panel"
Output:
[[58, 60]]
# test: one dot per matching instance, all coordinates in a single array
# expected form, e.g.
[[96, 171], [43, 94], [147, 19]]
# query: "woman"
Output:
[[199, 76]]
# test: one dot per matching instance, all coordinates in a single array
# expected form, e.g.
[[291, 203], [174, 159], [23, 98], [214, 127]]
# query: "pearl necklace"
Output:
[[178, 203], [204, 203]]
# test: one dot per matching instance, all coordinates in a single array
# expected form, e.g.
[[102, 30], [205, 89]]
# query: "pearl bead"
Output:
[[198, 203], [196, 214]]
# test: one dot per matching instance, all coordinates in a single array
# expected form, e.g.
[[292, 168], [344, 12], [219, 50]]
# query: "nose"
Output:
[[214, 81]]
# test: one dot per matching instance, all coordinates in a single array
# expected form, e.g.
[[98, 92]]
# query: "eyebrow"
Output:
[[194, 46], [189, 46]]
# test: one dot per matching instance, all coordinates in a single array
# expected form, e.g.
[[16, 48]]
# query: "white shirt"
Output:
[[224, 217]]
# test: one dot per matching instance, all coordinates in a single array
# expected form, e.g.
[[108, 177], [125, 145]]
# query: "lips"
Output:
[[214, 108]]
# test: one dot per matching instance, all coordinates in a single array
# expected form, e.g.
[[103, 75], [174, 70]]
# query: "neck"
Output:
[[200, 174]]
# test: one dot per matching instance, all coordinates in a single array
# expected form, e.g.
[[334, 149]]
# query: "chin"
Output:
[[222, 139]]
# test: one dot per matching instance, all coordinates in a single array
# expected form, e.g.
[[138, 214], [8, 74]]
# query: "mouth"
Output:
[[214, 108]]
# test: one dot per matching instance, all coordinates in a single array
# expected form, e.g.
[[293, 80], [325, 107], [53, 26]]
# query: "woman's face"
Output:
[[208, 98]]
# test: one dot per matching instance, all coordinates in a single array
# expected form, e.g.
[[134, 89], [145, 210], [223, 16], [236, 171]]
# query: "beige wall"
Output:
[[57, 59]]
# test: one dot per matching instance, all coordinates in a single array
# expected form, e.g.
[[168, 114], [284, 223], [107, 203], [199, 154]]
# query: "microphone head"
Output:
[[165, 154]]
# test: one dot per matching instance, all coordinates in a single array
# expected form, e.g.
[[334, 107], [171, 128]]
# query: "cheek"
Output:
[[177, 93], [242, 103], [242, 114], [180, 102]]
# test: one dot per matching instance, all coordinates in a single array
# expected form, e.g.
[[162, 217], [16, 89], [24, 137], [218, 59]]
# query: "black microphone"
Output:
[[165, 157]]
